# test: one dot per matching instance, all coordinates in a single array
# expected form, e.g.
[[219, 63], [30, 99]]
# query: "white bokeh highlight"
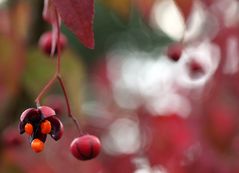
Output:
[[139, 78], [166, 16], [123, 137]]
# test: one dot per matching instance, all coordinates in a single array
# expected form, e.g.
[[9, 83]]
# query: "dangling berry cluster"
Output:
[[37, 123], [194, 68], [40, 121]]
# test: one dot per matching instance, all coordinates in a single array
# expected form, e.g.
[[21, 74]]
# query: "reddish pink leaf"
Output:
[[78, 15], [185, 6]]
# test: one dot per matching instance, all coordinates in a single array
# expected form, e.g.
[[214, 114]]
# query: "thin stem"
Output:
[[68, 104], [58, 44], [56, 27], [45, 89], [57, 76]]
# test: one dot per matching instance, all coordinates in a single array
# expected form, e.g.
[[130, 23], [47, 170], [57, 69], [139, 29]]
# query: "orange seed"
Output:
[[46, 127], [37, 145], [28, 128]]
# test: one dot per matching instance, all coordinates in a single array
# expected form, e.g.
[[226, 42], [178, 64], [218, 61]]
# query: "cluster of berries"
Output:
[[174, 53], [41, 121], [37, 123]]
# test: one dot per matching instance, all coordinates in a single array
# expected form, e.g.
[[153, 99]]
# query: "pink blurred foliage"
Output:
[[206, 141]]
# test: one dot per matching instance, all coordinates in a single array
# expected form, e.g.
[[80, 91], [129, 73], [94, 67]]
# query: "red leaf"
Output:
[[78, 16], [185, 6]]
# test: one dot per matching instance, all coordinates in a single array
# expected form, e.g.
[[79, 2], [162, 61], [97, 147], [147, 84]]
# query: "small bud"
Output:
[[195, 69], [174, 51]]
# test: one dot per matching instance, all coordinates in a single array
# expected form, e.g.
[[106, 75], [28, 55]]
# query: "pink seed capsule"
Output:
[[45, 43], [195, 69], [85, 147], [174, 51]]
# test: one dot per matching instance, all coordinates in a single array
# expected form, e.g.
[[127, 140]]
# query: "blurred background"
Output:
[[154, 113]]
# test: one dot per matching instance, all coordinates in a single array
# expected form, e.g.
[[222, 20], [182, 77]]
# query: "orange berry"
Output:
[[28, 128], [37, 145], [46, 127]]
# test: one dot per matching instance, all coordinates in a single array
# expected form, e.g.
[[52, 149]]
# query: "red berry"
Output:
[[195, 69], [174, 51], [45, 43], [85, 147]]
